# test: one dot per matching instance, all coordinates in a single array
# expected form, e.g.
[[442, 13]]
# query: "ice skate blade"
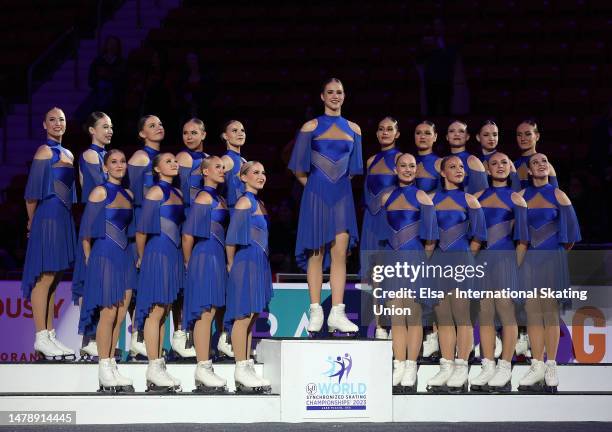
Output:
[[45, 358], [87, 358], [536, 388], [109, 390], [462, 389], [240, 388], [506, 388], [402, 390], [480, 388], [174, 357], [550, 389], [152, 388], [343, 335], [202, 389], [437, 389]]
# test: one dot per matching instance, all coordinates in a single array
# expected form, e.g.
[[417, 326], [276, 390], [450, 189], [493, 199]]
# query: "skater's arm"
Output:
[[141, 241], [230, 251]]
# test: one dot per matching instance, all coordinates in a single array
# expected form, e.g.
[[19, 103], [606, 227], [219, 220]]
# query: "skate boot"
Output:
[[338, 322], [124, 384], [551, 379], [177, 382], [158, 379], [246, 380], [67, 353], [438, 382], [179, 345], [458, 382], [315, 322], [409, 380], [89, 351], [399, 366], [106, 377], [264, 382], [498, 347], [137, 346], [533, 381], [206, 381], [501, 381], [522, 346], [381, 333], [430, 345], [224, 348], [487, 372], [45, 348]]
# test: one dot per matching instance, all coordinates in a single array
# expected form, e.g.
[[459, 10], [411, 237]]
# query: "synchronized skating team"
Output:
[[188, 234]]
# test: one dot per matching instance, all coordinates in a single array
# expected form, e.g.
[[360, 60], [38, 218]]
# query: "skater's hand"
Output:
[[138, 262]]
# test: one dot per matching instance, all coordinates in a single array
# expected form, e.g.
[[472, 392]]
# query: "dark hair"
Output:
[[141, 123], [458, 121], [396, 123], [93, 118], [530, 122], [401, 155], [51, 109], [156, 161], [111, 152], [330, 80], [487, 122], [226, 125], [428, 123], [443, 163], [198, 122]]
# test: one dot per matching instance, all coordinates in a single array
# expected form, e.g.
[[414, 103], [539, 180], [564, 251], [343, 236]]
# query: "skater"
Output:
[[462, 229], [51, 249], [380, 178], [475, 176], [110, 273], [507, 238], [140, 175], [204, 254], [249, 288], [326, 155], [527, 137], [488, 138], [413, 233], [160, 261], [553, 229]]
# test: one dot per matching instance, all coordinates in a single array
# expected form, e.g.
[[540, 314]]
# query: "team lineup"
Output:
[[186, 236]]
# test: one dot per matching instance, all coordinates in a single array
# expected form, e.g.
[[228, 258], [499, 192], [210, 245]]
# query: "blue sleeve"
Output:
[[198, 221], [239, 229], [40, 183], [478, 226], [93, 222], [300, 156], [149, 222], [184, 174], [356, 160], [569, 229], [515, 182], [521, 224], [136, 182], [428, 226], [477, 181], [553, 181], [92, 177]]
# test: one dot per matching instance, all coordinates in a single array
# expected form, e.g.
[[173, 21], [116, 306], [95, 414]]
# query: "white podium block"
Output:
[[328, 380]]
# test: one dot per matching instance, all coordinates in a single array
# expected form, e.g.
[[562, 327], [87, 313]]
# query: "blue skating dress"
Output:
[[551, 225], [506, 224], [249, 287], [427, 178], [458, 224], [110, 270], [380, 179], [411, 223], [191, 178], [93, 175], [162, 269], [52, 242], [233, 188], [474, 181], [330, 154], [206, 278], [522, 167]]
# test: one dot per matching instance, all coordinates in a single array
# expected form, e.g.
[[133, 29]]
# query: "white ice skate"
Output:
[[430, 345], [315, 321], [458, 382], [381, 333], [246, 379], [46, 348], [158, 379], [498, 347], [522, 345], [89, 351], [438, 382], [106, 376], [179, 345], [264, 382], [551, 378], [206, 380], [338, 322], [487, 372], [409, 380], [224, 348], [398, 372], [67, 353], [124, 384], [137, 347], [533, 381], [501, 381]]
